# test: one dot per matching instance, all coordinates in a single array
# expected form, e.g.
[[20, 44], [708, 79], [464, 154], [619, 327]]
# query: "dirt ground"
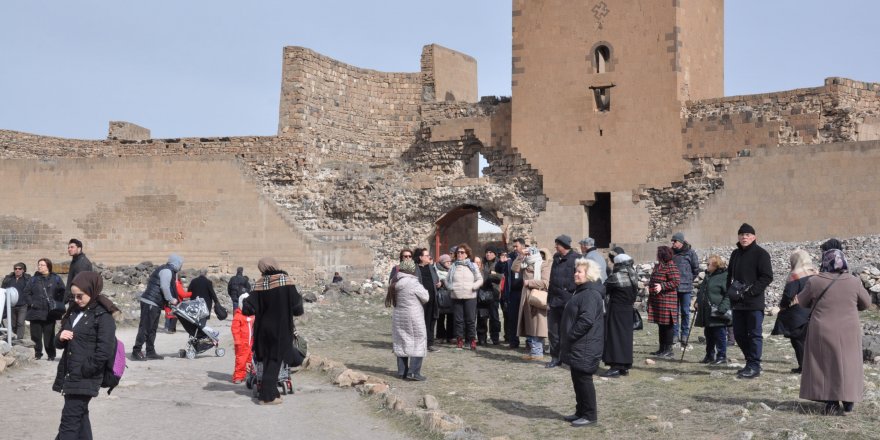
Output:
[[193, 399], [497, 393]]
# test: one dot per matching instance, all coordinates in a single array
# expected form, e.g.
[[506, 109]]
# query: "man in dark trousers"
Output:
[[161, 288], [748, 275], [512, 291], [202, 287], [238, 285], [430, 280], [78, 263], [560, 291], [18, 279]]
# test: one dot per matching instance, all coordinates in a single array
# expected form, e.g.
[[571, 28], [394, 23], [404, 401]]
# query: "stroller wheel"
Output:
[[190, 353], [220, 352], [182, 353], [249, 383], [289, 385]]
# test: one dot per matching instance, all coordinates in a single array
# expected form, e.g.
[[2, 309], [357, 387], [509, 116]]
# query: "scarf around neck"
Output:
[[450, 277]]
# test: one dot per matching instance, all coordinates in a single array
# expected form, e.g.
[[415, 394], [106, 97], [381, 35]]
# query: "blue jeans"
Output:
[[747, 331], [536, 345], [684, 309], [716, 342]]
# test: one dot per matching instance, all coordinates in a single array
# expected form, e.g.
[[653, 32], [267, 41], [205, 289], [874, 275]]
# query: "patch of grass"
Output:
[[497, 393]]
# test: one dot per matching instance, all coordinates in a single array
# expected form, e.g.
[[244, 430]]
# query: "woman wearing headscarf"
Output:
[[406, 294], [273, 302], [621, 289], [463, 281], [793, 318], [663, 299], [535, 270], [832, 365], [582, 335], [712, 296], [88, 341]]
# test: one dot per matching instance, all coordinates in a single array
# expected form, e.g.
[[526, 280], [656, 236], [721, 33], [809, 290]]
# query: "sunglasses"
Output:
[[461, 252], [19, 268], [407, 256], [79, 295]]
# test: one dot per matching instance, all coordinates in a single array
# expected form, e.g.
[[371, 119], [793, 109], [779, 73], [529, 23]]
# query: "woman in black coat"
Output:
[[581, 340], [621, 287], [273, 302], [88, 338], [44, 285], [792, 318]]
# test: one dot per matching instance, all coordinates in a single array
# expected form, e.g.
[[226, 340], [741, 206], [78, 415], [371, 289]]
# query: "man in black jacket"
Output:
[[561, 288], [18, 279], [749, 267], [238, 285], [202, 287], [78, 263]]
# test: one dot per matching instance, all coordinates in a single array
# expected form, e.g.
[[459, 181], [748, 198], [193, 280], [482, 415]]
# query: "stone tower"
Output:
[[598, 89]]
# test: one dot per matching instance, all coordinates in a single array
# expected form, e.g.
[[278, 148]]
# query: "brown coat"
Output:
[[533, 321], [832, 367]]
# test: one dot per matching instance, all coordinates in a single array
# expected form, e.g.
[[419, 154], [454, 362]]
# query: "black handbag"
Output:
[[300, 348], [56, 308], [638, 324], [738, 290], [485, 298], [220, 311], [444, 299]]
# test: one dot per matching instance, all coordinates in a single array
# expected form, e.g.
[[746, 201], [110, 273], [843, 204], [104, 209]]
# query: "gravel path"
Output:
[[189, 398]]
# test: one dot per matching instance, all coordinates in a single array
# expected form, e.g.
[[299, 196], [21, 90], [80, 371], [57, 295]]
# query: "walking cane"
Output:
[[688, 337]]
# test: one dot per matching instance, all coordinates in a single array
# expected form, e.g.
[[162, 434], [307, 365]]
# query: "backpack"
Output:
[[114, 368]]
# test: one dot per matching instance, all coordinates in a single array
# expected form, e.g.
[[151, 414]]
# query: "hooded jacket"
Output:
[[161, 284], [688, 264], [238, 285]]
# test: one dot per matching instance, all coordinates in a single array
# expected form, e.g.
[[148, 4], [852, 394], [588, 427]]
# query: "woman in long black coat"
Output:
[[88, 338], [44, 285], [581, 338], [274, 302], [621, 289]]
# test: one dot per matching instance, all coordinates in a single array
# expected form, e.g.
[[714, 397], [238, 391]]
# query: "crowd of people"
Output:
[[581, 305], [584, 308]]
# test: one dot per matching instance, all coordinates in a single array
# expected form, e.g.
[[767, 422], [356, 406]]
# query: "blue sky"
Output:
[[211, 68]]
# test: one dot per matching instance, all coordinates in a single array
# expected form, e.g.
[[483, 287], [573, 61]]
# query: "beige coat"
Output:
[[832, 367], [533, 321], [465, 283], [408, 319]]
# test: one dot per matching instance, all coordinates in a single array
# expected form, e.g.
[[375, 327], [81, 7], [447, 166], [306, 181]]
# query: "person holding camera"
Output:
[[749, 273]]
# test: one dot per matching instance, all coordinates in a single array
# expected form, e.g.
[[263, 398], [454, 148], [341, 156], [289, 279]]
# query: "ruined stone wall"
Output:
[[842, 110], [330, 105]]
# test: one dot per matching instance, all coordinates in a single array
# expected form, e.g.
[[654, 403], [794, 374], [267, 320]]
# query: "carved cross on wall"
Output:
[[600, 11]]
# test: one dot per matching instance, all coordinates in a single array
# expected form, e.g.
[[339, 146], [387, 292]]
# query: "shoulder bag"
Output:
[[538, 299], [55, 307], [638, 324], [805, 327]]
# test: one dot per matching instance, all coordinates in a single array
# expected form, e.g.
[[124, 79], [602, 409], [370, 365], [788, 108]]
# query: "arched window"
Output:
[[601, 58]]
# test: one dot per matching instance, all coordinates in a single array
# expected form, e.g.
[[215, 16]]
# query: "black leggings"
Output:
[[666, 334]]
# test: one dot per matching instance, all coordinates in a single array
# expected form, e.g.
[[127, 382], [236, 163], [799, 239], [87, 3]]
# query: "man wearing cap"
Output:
[[560, 291], [589, 251], [749, 273], [688, 264], [18, 279], [78, 263]]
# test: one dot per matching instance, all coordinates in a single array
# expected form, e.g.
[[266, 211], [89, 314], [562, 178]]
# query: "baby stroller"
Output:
[[255, 373], [192, 315]]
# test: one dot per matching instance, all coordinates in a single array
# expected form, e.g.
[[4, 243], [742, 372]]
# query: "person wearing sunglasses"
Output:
[[18, 280], [463, 281], [404, 254], [88, 341]]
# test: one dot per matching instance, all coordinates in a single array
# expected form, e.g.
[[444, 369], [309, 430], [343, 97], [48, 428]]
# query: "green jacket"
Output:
[[713, 290]]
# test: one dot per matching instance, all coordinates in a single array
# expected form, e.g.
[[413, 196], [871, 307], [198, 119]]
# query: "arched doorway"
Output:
[[460, 225]]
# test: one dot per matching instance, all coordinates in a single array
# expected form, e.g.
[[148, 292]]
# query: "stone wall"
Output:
[[127, 131]]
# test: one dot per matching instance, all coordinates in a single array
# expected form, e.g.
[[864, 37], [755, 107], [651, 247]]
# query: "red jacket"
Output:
[[182, 295]]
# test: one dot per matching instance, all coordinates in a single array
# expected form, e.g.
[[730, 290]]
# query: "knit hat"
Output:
[[622, 258], [678, 236], [407, 266], [746, 229], [832, 243], [564, 241], [445, 258], [588, 242]]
